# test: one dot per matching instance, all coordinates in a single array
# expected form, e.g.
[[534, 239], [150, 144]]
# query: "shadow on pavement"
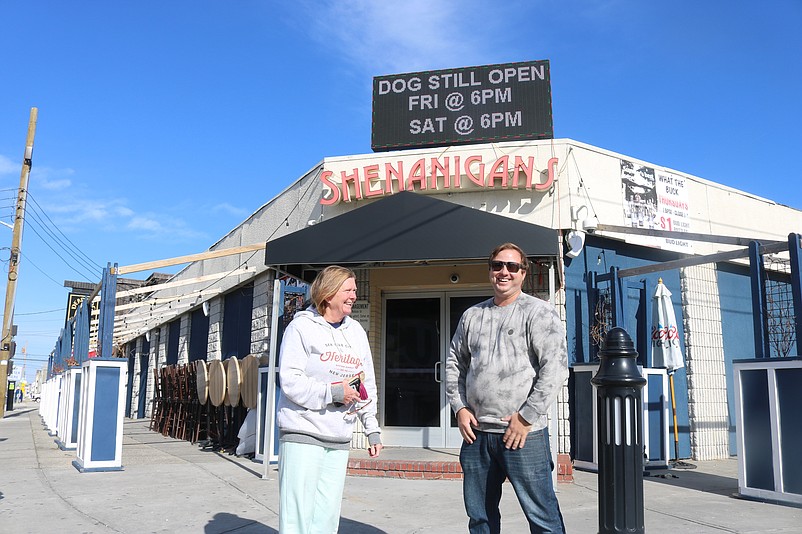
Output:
[[225, 522], [695, 480], [355, 527], [234, 461], [16, 412]]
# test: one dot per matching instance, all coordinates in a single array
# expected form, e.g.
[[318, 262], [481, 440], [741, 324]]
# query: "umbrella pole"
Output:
[[677, 463], [674, 412]]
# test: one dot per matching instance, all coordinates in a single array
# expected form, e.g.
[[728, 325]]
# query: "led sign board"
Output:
[[505, 102]]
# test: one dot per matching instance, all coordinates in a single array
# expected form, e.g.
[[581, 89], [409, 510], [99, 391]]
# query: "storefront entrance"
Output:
[[417, 333]]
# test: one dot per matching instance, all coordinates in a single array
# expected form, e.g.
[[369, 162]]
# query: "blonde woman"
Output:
[[327, 381]]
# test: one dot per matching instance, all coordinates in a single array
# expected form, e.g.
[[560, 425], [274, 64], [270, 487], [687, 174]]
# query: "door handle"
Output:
[[437, 372]]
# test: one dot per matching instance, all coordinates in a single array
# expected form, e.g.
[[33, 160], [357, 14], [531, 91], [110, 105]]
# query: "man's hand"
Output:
[[466, 422], [518, 429], [374, 450]]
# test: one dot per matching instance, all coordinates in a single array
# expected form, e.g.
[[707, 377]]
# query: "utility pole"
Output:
[[7, 340]]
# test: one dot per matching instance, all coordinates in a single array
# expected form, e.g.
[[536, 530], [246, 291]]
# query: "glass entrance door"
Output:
[[416, 412]]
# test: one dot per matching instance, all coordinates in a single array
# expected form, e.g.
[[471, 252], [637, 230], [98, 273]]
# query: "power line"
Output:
[[40, 219], [41, 312], [284, 222], [74, 247], [82, 259], [40, 269], [49, 334], [88, 275], [67, 263], [27, 320]]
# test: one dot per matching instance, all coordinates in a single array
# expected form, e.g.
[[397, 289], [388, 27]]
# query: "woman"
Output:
[[327, 381]]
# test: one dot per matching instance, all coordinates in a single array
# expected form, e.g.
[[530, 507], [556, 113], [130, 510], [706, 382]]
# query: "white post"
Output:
[[270, 408], [69, 408], [100, 428]]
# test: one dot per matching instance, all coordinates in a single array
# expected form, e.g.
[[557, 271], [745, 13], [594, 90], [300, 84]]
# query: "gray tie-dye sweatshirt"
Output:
[[507, 359]]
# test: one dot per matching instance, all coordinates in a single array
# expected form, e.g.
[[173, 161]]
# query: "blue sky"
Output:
[[162, 125]]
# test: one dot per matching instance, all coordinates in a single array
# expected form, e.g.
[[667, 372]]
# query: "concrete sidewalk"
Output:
[[168, 485]]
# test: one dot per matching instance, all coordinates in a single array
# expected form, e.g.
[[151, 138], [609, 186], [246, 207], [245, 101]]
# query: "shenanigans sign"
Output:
[[446, 173]]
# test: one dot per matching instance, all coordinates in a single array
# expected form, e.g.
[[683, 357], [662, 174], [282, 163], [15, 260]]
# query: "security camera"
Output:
[[590, 224], [454, 278]]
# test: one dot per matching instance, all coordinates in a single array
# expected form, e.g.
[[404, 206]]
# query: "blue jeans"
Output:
[[485, 466]]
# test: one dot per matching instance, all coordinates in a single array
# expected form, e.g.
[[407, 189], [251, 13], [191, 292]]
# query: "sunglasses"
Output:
[[512, 266]]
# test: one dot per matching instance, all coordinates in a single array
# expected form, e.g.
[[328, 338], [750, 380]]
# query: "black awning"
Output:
[[408, 227]]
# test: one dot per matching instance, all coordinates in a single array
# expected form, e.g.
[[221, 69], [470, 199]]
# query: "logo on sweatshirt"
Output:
[[331, 356]]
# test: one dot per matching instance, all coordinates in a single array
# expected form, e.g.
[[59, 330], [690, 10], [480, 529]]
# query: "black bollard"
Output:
[[619, 422]]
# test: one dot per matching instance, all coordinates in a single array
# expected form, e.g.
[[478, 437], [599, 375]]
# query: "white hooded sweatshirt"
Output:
[[315, 358]]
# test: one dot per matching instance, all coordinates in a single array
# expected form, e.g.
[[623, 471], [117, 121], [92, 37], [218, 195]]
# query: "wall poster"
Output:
[[655, 200]]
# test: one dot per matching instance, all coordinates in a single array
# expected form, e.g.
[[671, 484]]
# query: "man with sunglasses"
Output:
[[507, 363]]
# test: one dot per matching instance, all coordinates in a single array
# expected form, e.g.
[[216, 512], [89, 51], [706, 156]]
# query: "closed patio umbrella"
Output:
[[666, 351]]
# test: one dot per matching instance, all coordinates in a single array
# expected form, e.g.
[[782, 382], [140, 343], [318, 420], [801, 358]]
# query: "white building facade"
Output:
[[583, 210]]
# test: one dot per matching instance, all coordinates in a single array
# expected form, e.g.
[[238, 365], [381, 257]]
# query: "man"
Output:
[[508, 361]]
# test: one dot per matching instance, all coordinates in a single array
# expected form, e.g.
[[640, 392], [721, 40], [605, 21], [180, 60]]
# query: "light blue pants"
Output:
[[311, 481]]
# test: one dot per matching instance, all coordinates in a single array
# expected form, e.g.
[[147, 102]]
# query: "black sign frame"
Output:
[[490, 103]]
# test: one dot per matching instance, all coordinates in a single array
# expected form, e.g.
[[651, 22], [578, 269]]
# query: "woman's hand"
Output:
[[374, 450], [350, 395]]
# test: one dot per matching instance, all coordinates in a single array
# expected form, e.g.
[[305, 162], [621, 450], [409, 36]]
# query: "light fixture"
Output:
[[589, 223], [574, 240], [576, 212]]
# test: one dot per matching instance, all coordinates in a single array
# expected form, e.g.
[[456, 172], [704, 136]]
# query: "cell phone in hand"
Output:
[[356, 383]]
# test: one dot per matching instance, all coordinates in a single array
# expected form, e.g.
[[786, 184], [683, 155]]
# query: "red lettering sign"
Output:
[[443, 173]]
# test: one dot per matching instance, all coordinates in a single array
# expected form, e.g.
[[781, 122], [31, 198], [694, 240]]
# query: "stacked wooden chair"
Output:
[[157, 411], [205, 402]]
